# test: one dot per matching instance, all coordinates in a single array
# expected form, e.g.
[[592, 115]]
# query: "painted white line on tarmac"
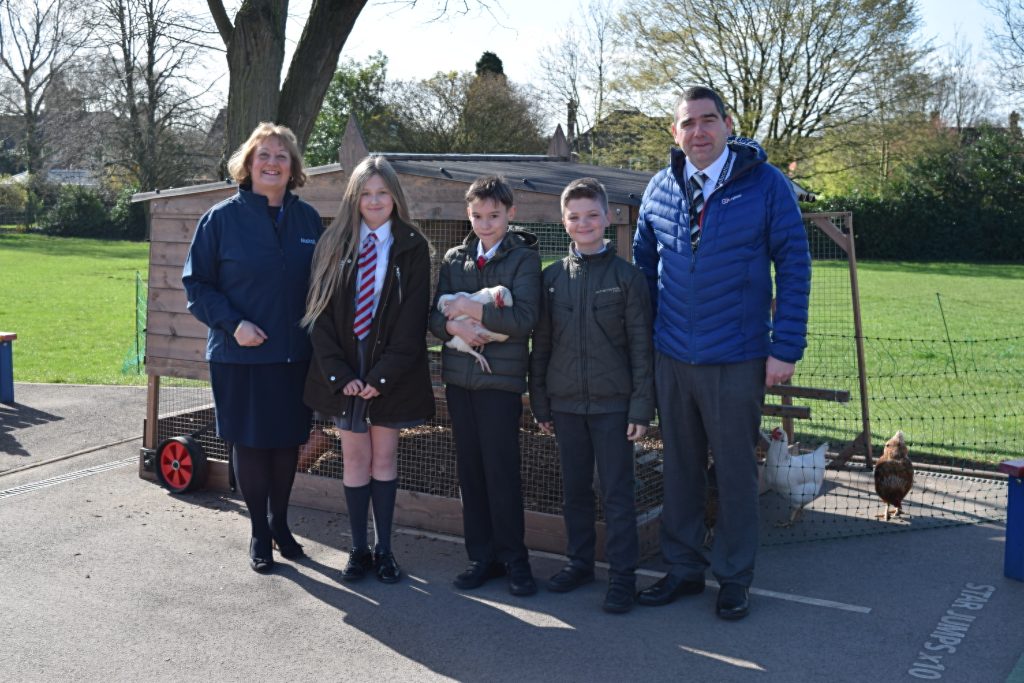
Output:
[[790, 597], [69, 476], [91, 449]]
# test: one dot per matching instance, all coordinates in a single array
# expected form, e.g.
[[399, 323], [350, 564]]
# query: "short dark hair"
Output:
[[699, 92], [585, 188], [492, 187]]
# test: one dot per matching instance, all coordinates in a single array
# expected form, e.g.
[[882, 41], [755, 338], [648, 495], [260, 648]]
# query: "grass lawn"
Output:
[[72, 304]]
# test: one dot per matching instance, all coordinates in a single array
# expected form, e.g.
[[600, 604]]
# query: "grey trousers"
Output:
[[584, 440], [716, 406]]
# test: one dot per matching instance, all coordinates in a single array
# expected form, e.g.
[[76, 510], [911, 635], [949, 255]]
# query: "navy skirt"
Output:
[[261, 406]]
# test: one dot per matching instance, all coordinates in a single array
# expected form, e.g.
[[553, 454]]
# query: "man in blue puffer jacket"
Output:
[[711, 227]]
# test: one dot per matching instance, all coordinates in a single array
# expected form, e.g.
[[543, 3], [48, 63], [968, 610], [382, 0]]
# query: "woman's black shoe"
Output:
[[261, 559], [289, 552], [360, 561], [386, 568]]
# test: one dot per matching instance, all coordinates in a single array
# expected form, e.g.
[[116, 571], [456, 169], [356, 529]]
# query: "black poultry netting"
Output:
[[957, 402]]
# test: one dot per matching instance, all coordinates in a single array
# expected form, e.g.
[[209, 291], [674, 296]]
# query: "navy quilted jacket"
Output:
[[715, 305]]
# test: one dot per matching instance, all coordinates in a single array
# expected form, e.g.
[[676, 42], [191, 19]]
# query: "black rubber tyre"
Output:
[[181, 465]]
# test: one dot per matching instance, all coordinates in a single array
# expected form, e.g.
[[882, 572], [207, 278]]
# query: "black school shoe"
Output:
[[386, 568], [360, 562], [520, 578], [477, 574], [570, 577], [733, 601], [620, 597]]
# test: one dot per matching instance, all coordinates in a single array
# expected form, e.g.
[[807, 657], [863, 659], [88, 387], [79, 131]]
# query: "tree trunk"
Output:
[[314, 63], [255, 55]]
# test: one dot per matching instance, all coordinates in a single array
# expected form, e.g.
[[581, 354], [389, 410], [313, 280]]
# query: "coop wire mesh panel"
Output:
[[957, 402]]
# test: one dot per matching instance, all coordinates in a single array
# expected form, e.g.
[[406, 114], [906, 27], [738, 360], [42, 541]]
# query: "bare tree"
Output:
[[961, 99], [790, 69], [39, 40], [575, 66], [255, 42], [150, 48], [1007, 41]]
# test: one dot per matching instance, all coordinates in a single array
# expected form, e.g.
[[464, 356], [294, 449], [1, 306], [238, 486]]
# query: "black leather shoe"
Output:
[[520, 578], [667, 589], [733, 601], [619, 598], [478, 573], [386, 568], [570, 577], [261, 558], [360, 561]]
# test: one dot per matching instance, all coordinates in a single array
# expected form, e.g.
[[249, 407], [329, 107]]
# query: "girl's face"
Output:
[[375, 203]]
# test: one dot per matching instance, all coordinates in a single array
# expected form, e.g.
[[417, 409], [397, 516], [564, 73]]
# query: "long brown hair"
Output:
[[337, 251]]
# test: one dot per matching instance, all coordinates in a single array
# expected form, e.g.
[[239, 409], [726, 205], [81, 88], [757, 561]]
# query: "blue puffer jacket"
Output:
[[715, 305], [240, 267]]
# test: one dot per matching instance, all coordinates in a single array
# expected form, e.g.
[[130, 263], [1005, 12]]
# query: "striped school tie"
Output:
[[697, 181], [365, 287]]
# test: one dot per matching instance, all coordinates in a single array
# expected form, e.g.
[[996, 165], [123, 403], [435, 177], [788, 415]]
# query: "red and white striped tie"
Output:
[[365, 287]]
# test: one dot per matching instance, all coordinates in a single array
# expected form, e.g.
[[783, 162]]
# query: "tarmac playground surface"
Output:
[[105, 576]]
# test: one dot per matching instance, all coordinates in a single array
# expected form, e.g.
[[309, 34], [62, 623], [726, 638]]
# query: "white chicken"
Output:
[[796, 477], [501, 296]]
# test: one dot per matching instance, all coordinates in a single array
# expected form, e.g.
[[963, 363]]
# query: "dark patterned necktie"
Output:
[[697, 181]]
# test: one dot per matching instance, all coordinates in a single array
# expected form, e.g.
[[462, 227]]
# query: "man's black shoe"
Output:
[[570, 577], [520, 578], [667, 589], [477, 573], [360, 561], [733, 601], [619, 598]]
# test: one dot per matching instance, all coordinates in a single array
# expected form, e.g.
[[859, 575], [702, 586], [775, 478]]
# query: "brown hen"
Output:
[[894, 475]]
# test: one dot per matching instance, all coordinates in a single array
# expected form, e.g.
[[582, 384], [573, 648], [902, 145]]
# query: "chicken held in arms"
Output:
[[501, 297]]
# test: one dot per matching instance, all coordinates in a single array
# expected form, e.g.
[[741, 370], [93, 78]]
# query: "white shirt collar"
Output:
[[383, 233], [489, 254], [713, 170]]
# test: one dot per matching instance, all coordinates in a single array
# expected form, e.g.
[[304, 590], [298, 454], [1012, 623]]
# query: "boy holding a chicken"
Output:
[[591, 383], [485, 398]]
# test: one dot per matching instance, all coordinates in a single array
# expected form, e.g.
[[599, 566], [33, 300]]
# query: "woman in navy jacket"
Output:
[[246, 277]]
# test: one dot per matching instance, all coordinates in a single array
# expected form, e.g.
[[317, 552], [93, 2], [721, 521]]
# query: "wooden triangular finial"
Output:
[[558, 146], [353, 146]]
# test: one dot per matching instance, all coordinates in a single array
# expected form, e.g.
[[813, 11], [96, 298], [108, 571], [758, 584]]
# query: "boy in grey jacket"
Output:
[[591, 383]]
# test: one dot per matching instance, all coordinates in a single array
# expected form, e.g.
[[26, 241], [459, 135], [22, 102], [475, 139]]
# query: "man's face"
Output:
[[700, 131]]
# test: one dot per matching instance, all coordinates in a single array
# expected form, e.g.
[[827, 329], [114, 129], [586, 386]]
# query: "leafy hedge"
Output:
[[77, 211], [961, 201]]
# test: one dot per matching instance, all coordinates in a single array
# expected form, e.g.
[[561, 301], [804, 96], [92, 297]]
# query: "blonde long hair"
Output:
[[337, 251]]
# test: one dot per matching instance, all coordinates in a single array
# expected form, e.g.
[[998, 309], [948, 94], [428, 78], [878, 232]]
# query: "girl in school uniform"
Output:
[[366, 310]]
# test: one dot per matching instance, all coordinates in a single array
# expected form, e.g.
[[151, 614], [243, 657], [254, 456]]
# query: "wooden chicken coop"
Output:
[[179, 402]]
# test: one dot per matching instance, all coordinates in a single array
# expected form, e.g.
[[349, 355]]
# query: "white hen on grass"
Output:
[[796, 477], [501, 296]]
